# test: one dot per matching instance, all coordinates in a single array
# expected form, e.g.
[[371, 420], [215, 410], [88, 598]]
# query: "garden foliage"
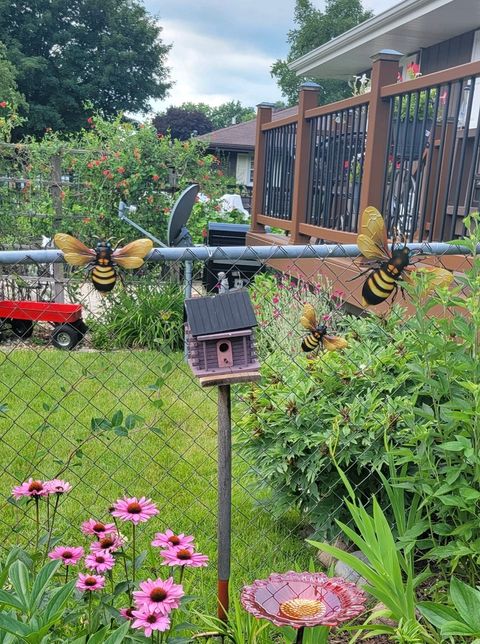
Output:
[[406, 388], [149, 316], [88, 173]]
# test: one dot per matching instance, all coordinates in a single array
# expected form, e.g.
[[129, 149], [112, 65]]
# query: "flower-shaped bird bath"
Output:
[[303, 600]]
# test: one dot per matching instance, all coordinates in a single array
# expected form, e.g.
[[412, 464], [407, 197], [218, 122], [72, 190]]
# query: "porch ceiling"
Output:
[[406, 27]]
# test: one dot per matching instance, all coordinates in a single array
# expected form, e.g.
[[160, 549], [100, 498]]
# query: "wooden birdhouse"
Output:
[[220, 339]]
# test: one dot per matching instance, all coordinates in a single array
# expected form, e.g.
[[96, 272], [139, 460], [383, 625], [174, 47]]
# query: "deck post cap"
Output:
[[386, 54]]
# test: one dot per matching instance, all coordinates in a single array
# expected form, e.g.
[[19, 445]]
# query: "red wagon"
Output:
[[68, 326]]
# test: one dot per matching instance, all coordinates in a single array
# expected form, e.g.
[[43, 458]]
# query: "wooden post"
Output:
[[308, 99], [56, 188], [224, 497], [264, 115], [384, 72]]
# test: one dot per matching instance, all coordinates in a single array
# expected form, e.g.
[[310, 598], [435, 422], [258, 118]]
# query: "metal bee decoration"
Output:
[[388, 268], [318, 335], [103, 259]]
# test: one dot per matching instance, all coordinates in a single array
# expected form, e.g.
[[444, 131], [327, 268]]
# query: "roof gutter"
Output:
[[362, 33]]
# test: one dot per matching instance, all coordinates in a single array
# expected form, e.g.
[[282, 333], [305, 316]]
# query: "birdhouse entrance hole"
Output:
[[224, 353]]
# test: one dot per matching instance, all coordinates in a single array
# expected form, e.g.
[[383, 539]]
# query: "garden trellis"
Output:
[[121, 415]]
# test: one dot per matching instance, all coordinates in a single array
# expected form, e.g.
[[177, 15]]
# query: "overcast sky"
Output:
[[223, 50]]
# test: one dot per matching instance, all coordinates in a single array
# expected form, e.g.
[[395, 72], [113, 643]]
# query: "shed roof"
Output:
[[407, 27], [230, 311], [242, 135]]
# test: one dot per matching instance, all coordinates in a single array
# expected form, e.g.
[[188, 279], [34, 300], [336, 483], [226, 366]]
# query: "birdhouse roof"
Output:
[[230, 311]]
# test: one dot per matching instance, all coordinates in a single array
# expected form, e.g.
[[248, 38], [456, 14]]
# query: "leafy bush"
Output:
[[345, 403], [146, 316], [405, 387], [107, 161]]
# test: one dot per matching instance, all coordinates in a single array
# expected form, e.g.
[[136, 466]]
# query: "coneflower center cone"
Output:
[[158, 595], [184, 554]]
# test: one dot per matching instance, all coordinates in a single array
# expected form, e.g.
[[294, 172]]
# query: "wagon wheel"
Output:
[[22, 328], [81, 327], [65, 337]]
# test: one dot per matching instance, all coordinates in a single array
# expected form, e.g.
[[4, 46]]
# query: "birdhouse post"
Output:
[[219, 333]]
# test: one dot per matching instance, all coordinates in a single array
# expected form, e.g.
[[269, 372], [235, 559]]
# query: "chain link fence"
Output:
[[117, 410]]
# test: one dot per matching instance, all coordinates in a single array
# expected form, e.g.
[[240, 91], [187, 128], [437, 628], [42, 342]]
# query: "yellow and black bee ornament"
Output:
[[388, 268], [318, 335], [103, 259]]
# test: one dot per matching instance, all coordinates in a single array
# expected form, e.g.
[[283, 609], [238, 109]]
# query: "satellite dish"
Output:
[[177, 233]]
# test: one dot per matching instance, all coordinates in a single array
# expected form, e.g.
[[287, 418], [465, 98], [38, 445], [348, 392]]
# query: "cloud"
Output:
[[223, 50], [215, 69]]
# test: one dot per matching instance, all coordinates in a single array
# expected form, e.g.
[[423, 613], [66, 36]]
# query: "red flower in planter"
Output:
[[303, 599], [3, 104], [413, 70]]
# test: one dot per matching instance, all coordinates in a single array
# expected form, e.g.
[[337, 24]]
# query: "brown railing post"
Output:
[[384, 72], [264, 115], [308, 99]]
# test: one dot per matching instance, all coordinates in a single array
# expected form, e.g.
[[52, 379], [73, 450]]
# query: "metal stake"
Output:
[[224, 497], [187, 291]]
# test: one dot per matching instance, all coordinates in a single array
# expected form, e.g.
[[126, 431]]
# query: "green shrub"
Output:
[[348, 403], [406, 388], [148, 316]]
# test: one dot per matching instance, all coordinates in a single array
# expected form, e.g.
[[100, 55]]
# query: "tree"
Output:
[[223, 115], [181, 123], [9, 91], [314, 28], [71, 52]]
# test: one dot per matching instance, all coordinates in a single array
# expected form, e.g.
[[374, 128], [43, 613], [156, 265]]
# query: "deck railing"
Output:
[[411, 149]]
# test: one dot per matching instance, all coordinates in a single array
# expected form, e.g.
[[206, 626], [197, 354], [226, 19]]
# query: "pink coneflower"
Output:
[[99, 561], [57, 486], [150, 621], [183, 557], [90, 582], [169, 539], [68, 556], [160, 596], [127, 613], [97, 528], [109, 543], [135, 510], [30, 488], [275, 299]]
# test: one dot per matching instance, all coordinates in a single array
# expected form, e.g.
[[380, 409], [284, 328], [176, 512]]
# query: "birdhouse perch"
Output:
[[220, 338]]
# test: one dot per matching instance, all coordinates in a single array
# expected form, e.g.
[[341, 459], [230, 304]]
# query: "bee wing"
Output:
[[369, 248], [131, 255], [74, 251], [137, 248], [441, 277], [372, 238], [333, 343], [128, 262], [309, 318]]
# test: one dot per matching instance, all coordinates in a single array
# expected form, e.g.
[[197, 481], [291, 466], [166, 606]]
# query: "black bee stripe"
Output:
[[310, 342]]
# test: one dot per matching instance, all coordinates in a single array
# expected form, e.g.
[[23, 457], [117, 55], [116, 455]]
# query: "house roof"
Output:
[[230, 311], [241, 137], [406, 27]]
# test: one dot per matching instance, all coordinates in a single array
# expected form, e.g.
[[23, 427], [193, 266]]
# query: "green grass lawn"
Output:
[[52, 397]]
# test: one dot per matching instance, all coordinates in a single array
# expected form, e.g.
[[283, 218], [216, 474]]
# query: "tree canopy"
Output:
[[182, 123], [223, 115], [314, 28], [8, 86], [70, 52]]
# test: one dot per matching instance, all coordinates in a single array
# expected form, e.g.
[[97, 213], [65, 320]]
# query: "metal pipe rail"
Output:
[[202, 253]]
